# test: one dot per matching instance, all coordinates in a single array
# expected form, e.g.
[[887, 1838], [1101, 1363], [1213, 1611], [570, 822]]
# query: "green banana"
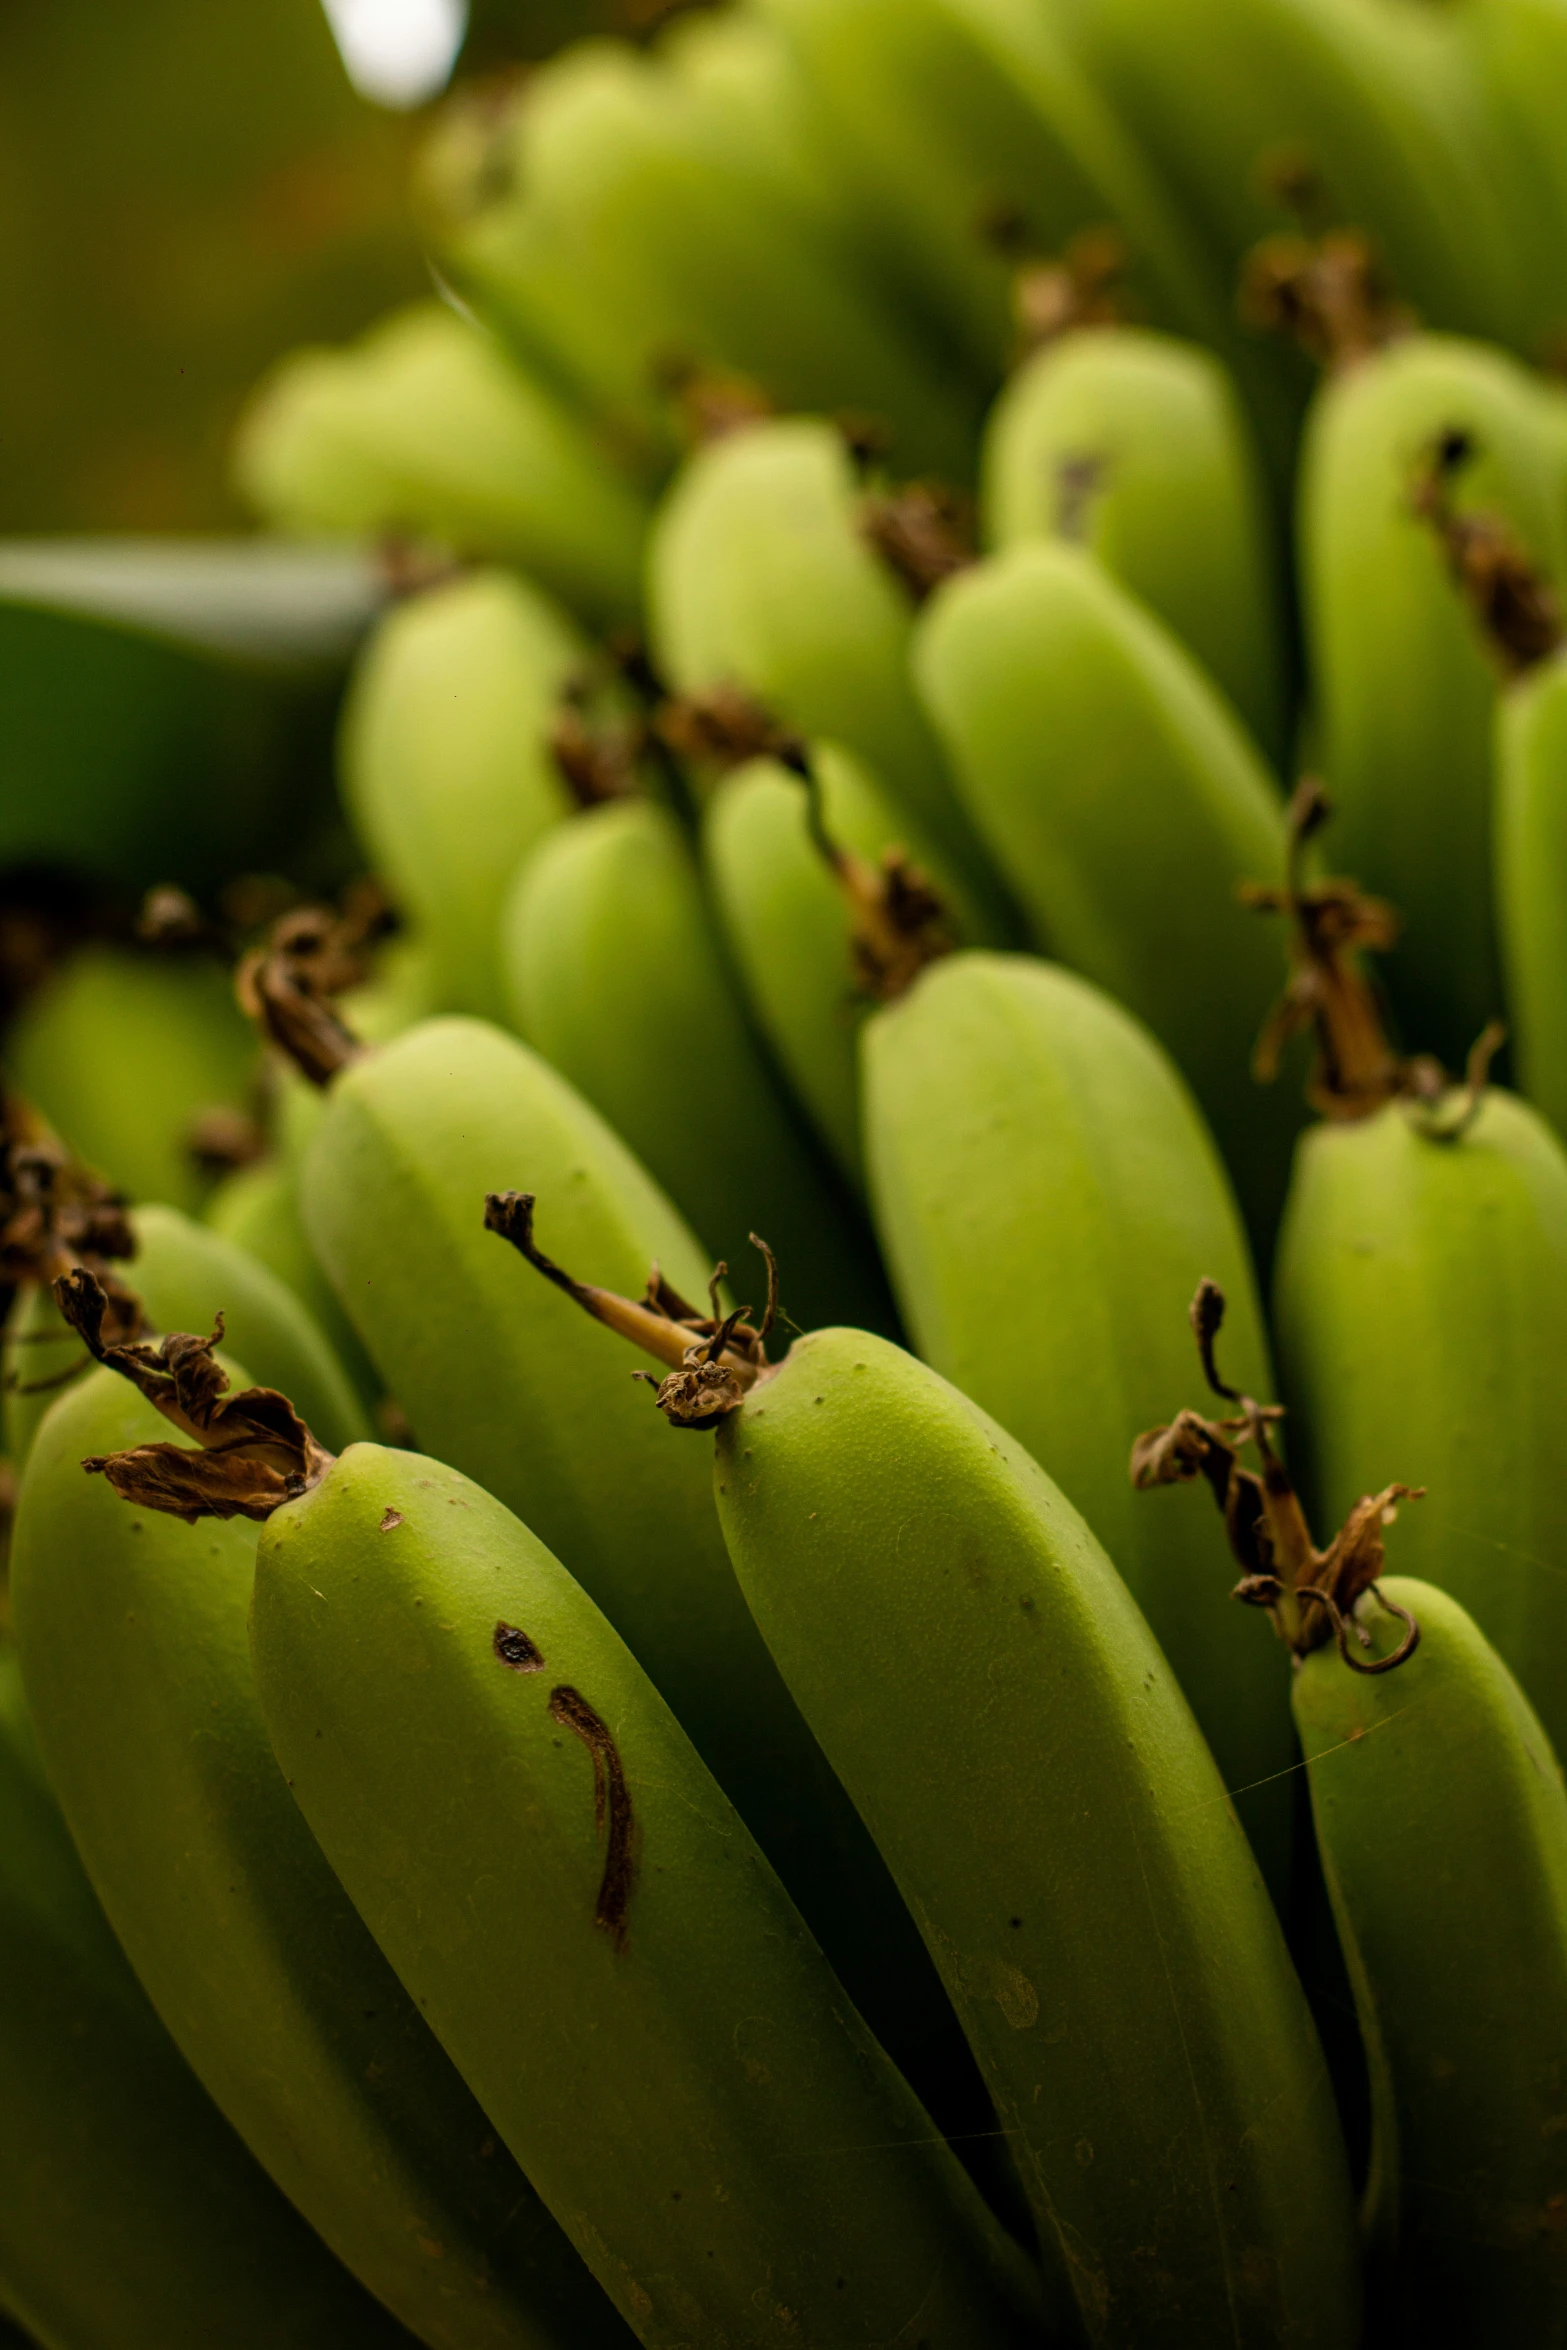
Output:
[[1405, 691], [447, 769], [1442, 1822], [425, 427], [132, 1631], [985, 1688], [616, 975], [185, 1276], [627, 220], [760, 576], [1420, 1313], [1126, 806], [790, 929], [131, 2217], [1379, 106], [754, 2170], [1047, 1198], [122, 1052], [1136, 445], [506, 1381], [257, 1209], [1531, 878]]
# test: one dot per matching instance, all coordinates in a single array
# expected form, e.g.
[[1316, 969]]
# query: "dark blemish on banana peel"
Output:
[[611, 1807]]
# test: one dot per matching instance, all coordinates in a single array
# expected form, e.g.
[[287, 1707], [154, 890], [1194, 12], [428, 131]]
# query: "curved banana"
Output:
[[425, 428], [1136, 445], [1405, 689], [632, 220], [132, 1630], [447, 768], [123, 1052], [1048, 1198], [760, 576], [131, 2217], [682, 2076], [791, 929], [985, 1688], [616, 975], [1420, 1312], [1126, 807], [1442, 1823], [502, 1377]]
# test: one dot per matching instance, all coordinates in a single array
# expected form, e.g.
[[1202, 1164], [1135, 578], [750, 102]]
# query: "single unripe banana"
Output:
[[760, 576], [501, 1374], [790, 930], [1126, 806], [616, 975], [624, 218], [1405, 688], [1442, 1823], [185, 1276], [121, 1053], [132, 1630], [426, 428], [1136, 445], [984, 1686], [131, 2217], [448, 773], [628, 1988], [1048, 1199], [1420, 1312]]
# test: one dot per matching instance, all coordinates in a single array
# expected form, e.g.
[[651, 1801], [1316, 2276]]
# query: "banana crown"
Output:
[[1281, 1566]]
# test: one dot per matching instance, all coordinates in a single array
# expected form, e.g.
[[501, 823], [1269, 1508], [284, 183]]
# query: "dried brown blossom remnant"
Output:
[[1328, 294], [1518, 610], [723, 727], [310, 955], [898, 921], [56, 1215], [1328, 994], [254, 1452], [712, 1360], [1312, 1594], [923, 532], [712, 402], [595, 756], [1079, 287]]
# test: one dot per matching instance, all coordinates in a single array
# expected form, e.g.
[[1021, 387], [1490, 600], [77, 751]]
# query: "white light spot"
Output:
[[398, 52]]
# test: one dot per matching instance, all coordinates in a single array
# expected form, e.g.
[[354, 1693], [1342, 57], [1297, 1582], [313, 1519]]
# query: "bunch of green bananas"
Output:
[[810, 1856]]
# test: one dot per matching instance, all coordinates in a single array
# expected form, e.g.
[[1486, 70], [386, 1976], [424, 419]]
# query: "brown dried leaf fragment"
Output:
[[1078, 287], [712, 1360], [1514, 602], [611, 1804], [255, 1451], [310, 955], [595, 759], [1311, 1594]]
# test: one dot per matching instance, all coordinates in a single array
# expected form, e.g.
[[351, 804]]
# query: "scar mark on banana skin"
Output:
[[516, 1651], [611, 1802]]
